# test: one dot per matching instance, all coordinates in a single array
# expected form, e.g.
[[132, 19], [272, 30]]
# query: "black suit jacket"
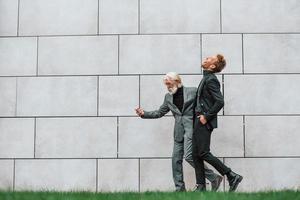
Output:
[[209, 100]]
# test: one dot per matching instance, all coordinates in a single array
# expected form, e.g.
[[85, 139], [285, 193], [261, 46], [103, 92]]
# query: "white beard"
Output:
[[173, 90]]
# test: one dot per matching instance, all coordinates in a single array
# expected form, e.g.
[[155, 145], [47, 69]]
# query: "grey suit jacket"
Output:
[[183, 121]]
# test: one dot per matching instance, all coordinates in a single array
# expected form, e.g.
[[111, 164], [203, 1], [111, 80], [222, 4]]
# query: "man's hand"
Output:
[[139, 111], [202, 119]]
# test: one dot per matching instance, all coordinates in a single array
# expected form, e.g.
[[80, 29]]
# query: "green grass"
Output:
[[271, 195]]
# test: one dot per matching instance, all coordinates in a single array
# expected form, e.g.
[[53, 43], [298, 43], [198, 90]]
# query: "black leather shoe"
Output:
[[234, 180], [215, 184], [200, 188]]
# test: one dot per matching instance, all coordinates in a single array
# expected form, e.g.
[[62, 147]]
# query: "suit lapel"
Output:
[[185, 97], [200, 87]]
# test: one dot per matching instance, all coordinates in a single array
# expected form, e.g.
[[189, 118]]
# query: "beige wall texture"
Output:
[[72, 72]]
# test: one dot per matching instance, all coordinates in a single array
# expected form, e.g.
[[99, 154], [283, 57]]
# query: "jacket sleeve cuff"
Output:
[[207, 117], [144, 116]]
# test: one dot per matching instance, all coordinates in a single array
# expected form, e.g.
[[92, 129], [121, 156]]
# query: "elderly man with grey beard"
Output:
[[180, 101]]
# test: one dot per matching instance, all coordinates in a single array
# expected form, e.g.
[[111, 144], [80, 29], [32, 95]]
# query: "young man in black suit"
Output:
[[208, 102]]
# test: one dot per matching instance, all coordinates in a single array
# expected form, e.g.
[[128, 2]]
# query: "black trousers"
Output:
[[201, 152]]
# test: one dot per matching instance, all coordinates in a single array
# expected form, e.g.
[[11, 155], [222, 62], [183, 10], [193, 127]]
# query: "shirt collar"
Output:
[[206, 72]]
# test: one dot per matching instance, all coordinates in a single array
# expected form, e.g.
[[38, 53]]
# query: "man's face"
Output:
[[208, 63], [171, 86]]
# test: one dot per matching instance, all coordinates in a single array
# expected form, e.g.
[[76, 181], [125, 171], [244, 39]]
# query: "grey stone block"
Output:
[[76, 137], [273, 16], [261, 94], [159, 54], [228, 139], [191, 80], [8, 17], [156, 174], [261, 174], [152, 86], [118, 95], [188, 176], [58, 17], [279, 131], [179, 16], [59, 175], [75, 55], [115, 175], [272, 53], [8, 96], [57, 96], [6, 174], [230, 45], [18, 56], [145, 138], [118, 16], [17, 138]]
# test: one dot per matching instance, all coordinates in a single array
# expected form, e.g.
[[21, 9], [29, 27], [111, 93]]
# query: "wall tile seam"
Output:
[[134, 116], [223, 160], [139, 82], [16, 103], [18, 18], [139, 17], [97, 175], [221, 25], [223, 92], [145, 158], [98, 94], [244, 136], [98, 17], [34, 138], [145, 34], [139, 74], [118, 54], [118, 140], [139, 175], [37, 56], [243, 55], [14, 174], [201, 51]]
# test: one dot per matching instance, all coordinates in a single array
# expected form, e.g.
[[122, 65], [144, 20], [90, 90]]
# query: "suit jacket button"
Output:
[[201, 104]]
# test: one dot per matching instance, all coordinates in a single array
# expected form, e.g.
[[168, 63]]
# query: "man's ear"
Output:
[[212, 66], [178, 83]]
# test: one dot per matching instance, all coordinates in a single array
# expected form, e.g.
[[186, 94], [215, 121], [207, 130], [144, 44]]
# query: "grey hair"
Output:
[[173, 76]]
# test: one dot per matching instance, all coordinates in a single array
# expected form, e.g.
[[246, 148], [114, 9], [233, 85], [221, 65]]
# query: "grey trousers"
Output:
[[184, 150]]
